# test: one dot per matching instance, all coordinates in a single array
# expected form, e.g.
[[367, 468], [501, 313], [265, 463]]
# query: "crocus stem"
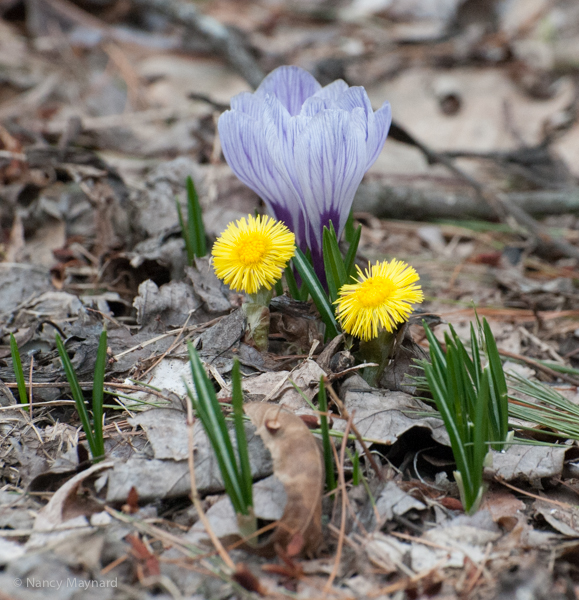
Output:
[[376, 350], [257, 313]]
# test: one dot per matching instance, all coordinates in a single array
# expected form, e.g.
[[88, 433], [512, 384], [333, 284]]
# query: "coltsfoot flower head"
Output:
[[382, 297], [252, 253]]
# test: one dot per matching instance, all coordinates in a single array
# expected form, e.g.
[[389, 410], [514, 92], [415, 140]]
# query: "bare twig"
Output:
[[195, 496], [498, 202], [541, 367], [224, 41], [342, 535], [359, 437]]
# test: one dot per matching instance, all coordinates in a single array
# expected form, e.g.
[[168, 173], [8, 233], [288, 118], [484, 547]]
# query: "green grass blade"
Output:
[[278, 288], [291, 282], [98, 394], [319, 296], [185, 234], [333, 262], [77, 396], [331, 275], [438, 389], [242, 452], [349, 231], [356, 469], [326, 442], [336, 256], [196, 229], [480, 418], [466, 359], [209, 411], [300, 294], [350, 260], [475, 350], [501, 408], [18, 372], [435, 347]]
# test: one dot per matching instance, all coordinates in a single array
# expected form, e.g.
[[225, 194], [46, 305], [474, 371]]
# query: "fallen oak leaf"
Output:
[[298, 464]]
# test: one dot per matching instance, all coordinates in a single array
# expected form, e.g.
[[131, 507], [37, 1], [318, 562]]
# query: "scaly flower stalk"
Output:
[[373, 307], [304, 149]]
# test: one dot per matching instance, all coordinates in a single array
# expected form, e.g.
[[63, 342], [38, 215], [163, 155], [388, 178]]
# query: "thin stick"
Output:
[[480, 569], [563, 505], [223, 40], [342, 477], [345, 414], [540, 367], [195, 496]]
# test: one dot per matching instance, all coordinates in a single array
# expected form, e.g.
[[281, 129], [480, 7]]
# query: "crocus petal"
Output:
[[382, 122], [248, 103], [378, 123], [312, 106], [354, 97], [304, 149], [330, 158], [245, 149], [333, 90], [292, 86], [281, 133]]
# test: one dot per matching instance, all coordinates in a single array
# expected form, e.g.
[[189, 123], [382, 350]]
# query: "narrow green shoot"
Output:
[[498, 387], [472, 402], [98, 394], [278, 288], [317, 292], [326, 442], [94, 435], [236, 477], [18, 372], [296, 292], [339, 270], [551, 409], [350, 260], [356, 469], [349, 230], [333, 262], [193, 231], [238, 419]]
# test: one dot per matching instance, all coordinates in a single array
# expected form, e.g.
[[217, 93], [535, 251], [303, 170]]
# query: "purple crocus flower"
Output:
[[304, 149]]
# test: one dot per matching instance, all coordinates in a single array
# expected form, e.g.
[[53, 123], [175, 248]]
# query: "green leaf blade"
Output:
[[196, 228], [18, 371], [77, 396], [242, 450], [98, 395], [317, 292]]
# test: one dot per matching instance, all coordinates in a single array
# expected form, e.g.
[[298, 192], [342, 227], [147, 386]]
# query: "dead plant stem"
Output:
[[342, 536], [361, 441], [195, 495]]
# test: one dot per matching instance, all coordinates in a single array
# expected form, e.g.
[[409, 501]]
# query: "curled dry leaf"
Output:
[[298, 464]]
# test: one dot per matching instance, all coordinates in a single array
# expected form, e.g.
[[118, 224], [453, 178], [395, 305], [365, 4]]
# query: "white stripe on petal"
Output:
[[330, 158], [246, 151]]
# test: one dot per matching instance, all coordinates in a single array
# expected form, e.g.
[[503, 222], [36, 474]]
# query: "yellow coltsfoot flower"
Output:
[[382, 297], [252, 253]]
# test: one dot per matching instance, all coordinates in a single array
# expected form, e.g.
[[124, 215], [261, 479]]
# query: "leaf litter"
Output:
[[104, 111]]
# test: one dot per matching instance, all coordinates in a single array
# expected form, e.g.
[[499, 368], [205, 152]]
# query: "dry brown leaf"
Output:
[[298, 464]]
